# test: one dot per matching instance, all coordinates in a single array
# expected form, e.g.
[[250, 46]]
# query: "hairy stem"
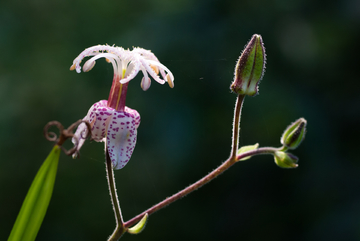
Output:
[[259, 151], [223, 167], [120, 228], [236, 125]]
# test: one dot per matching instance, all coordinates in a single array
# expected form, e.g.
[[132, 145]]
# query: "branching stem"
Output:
[[223, 167], [219, 170]]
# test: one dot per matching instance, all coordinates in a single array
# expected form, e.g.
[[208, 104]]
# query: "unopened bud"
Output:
[[250, 67], [294, 134], [285, 159]]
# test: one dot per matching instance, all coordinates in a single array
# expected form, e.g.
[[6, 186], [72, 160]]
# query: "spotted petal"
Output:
[[135, 115], [96, 116], [99, 119], [121, 137]]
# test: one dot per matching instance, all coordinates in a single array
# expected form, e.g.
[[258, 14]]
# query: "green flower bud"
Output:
[[285, 159], [294, 134], [139, 226], [250, 67]]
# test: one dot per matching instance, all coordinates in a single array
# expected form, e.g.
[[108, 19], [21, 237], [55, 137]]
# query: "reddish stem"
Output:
[[223, 167]]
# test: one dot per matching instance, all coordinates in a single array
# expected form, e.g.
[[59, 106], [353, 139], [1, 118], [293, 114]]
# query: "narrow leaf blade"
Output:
[[37, 200]]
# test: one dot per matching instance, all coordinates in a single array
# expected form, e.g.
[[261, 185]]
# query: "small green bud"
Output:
[[285, 159], [139, 226], [294, 134], [250, 67]]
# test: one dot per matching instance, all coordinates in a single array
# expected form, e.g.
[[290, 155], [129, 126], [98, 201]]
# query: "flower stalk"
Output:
[[212, 175], [120, 228], [236, 125]]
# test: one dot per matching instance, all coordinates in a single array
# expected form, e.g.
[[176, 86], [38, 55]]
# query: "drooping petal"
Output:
[[110, 57], [146, 65], [135, 114], [121, 137], [169, 77], [78, 139], [99, 116], [118, 51], [96, 116], [82, 131]]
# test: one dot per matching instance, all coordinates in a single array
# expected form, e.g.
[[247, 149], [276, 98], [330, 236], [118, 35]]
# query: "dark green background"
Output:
[[311, 72]]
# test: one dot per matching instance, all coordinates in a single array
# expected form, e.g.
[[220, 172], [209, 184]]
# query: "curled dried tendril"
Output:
[[65, 134]]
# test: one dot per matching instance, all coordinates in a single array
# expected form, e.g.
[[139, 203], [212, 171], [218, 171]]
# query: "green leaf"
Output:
[[139, 226], [37, 200], [245, 149]]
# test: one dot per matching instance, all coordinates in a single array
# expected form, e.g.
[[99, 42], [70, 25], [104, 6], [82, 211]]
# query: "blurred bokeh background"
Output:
[[311, 72]]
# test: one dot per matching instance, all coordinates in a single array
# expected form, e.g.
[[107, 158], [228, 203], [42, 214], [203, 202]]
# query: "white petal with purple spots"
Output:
[[121, 138], [135, 115], [98, 120], [118, 127]]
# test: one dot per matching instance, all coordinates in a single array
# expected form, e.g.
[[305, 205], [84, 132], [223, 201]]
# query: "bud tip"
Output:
[[250, 67]]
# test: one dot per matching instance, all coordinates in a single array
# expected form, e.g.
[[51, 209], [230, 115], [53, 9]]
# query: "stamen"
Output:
[[155, 68], [170, 81], [72, 67], [88, 65], [145, 83]]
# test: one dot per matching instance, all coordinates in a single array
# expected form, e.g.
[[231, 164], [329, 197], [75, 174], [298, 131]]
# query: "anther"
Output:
[[88, 65], [155, 68], [170, 81]]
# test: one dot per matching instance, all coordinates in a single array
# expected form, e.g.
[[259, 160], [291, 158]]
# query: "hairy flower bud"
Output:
[[294, 134], [250, 67], [285, 159]]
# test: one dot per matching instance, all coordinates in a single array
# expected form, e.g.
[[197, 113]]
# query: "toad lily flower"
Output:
[[111, 121]]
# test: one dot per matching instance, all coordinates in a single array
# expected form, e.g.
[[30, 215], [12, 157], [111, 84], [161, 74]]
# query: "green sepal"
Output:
[[139, 226], [37, 200], [285, 159], [245, 149]]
